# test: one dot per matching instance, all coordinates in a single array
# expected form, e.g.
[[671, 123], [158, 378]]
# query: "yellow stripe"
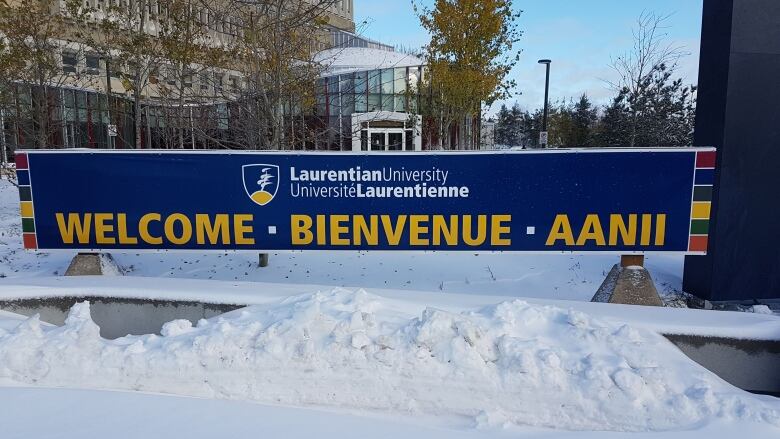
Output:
[[27, 209], [701, 210]]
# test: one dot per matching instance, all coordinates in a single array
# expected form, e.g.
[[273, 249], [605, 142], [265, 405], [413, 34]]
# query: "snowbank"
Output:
[[752, 326], [512, 363]]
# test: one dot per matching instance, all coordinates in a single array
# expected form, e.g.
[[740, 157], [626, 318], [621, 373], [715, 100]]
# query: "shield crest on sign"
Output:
[[261, 182]]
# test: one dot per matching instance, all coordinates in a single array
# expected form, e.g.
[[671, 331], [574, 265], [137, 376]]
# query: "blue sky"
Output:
[[580, 36]]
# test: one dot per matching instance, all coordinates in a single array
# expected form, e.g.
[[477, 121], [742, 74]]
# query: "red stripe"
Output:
[[705, 159], [698, 244], [30, 242], [21, 161]]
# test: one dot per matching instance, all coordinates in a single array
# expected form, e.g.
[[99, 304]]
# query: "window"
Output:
[[69, 61], [399, 80], [400, 103], [360, 82], [360, 103], [374, 80], [203, 79], [187, 79], [92, 62], [233, 83], [170, 77], [387, 102], [387, 81], [373, 102]]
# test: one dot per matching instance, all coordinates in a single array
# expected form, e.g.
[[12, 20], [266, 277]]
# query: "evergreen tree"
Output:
[[503, 126], [584, 119], [659, 112], [516, 133]]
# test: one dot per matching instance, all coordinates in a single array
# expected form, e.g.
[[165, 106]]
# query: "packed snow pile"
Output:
[[509, 363]]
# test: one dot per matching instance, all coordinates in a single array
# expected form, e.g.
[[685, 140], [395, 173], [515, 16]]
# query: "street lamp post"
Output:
[[543, 133]]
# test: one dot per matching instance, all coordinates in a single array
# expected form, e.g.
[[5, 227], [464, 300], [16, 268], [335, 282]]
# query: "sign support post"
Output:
[[263, 260], [632, 261]]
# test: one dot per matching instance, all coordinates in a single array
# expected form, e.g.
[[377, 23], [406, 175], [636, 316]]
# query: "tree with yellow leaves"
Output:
[[469, 57]]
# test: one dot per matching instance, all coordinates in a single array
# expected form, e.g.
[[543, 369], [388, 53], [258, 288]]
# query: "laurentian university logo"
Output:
[[261, 182]]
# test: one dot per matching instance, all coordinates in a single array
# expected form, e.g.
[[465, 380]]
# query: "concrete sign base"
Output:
[[629, 286], [93, 264]]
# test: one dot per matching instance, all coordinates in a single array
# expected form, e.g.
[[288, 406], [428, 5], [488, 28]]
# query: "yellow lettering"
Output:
[[121, 227], [337, 229], [241, 229], [170, 231], [497, 229], [321, 230], [300, 225], [74, 226], [561, 229], [660, 229], [449, 231], [618, 226], [647, 228], [393, 235], [468, 238], [591, 231], [143, 228], [219, 230], [416, 229], [101, 228], [362, 229]]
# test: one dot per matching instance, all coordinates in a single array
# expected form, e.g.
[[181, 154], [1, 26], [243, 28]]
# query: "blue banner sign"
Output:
[[586, 200]]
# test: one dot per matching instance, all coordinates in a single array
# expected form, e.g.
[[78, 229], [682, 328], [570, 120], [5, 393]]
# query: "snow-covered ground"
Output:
[[435, 346], [58, 413], [513, 363]]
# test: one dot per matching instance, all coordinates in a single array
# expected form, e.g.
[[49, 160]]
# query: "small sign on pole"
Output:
[[112, 130], [543, 138]]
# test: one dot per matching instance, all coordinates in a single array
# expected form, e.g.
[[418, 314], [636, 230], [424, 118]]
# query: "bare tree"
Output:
[[275, 53], [651, 51], [129, 33], [34, 64]]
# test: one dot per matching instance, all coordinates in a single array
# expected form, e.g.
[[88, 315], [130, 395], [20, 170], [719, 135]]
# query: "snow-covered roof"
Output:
[[355, 59]]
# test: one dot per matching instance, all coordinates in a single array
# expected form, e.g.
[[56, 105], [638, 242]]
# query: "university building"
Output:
[[367, 97]]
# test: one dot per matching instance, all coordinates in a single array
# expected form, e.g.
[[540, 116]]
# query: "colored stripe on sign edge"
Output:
[[705, 177], [702, 193], [706, 159], [700, 227], [23, 177], [21, 161], [25, 193], [26, 208], [701, 211], [30, 241], [698, 243]]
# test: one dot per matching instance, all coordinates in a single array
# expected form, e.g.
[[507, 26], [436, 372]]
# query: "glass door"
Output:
[[378, 141], [395, 141]]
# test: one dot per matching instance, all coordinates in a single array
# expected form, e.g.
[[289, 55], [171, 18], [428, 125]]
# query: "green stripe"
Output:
[[700, 227], [25, 194], [702, 193], [28, 225]]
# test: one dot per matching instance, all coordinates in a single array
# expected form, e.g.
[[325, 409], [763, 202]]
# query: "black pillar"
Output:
[[739, 113]]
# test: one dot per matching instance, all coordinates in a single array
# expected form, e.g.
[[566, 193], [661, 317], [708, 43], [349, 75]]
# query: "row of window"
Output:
[[207, 19], [93, 65], [392, 89]]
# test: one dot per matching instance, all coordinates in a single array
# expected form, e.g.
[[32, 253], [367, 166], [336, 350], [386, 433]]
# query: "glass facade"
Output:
[[341, 96]]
